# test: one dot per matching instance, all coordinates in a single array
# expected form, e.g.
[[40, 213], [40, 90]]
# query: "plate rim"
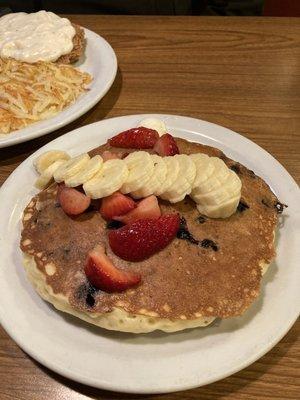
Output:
[[14, 140], [172, 387]]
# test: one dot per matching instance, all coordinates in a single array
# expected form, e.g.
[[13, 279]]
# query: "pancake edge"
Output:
[[118, 319]]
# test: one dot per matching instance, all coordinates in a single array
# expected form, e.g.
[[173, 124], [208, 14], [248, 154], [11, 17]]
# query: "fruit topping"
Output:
[[146, 208], [242, 206], [206, 243], [108, 180], [143, 238], [166, 146], [109, 155], [280, 207], [48, 158], [116, 205], [102, 273], [184, 233], [135, 138], [72, 201]]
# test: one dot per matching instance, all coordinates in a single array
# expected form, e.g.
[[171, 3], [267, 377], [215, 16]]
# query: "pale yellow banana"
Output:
[[86, 173], [49, 157], [71, 167], [108, 180], [171, 176], [140, 166], [153, 184], [223, 210], [47, 175], [182, 186]]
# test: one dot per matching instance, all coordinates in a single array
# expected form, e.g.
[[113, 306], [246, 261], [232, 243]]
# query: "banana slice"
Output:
[[141, 167], [46, 159], [154, 123], [108, 180], [224, 210], [152, 186], [171, 176], [231, 187], [71, 167], [182, 186], [85, 174], [47, 175], [216, 179], [204, 169]]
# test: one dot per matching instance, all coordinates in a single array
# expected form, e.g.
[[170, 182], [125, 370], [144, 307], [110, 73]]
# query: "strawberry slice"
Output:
[[116, 204], [109, 155], [102, 273], [143, 238], [135, 138], [72, 201], [146, 208], [166, 146]]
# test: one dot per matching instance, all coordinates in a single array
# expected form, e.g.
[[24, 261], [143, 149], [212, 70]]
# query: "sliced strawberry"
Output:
[[135, 138], [72, 201], [143, 238], [116, 204], [166, 146], [102, 273], [146, 208], [109, 155]]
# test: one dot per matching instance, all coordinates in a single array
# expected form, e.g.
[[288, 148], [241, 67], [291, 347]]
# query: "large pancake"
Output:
[[185, 282]]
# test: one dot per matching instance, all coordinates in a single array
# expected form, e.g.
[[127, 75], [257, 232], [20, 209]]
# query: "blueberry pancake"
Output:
[[189, 265]]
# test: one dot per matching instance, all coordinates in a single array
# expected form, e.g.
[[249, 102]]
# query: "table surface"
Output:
[[242, 73]]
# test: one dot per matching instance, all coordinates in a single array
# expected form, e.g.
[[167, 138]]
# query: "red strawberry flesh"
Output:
[[72, 201], [116, 204], [146, 208], [143, 238], [135, 138], [102, 273], [166, 146]]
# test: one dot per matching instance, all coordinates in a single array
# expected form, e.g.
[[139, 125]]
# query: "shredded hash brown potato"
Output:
[[33, 92]]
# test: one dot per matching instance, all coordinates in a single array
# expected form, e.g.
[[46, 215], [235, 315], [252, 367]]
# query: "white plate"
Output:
[[156, 362], [100, 61]]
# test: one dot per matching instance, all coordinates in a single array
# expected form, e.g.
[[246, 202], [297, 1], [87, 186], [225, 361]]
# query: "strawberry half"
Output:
[[143, 238], [72, 201], [166, 146], [146, 208], [135, 138], [116, 204], [102, 273]]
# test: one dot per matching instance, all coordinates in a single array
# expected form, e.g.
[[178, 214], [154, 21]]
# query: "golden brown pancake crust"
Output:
[[183, 280], [78, 47]]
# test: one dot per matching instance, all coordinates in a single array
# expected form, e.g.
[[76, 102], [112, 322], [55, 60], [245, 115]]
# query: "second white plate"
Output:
[[157, 362], [100, 61]]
